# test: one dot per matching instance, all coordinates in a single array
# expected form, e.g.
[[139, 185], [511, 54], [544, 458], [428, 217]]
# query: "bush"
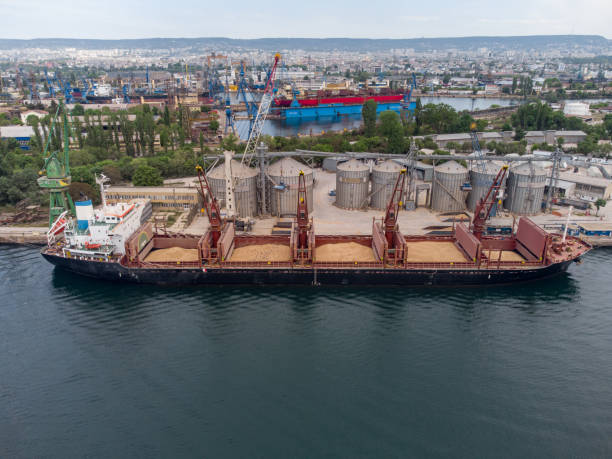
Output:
[[147, 176]]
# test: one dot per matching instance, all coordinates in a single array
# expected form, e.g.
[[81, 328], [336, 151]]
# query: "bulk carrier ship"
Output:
[[102, 245], [116, 243]]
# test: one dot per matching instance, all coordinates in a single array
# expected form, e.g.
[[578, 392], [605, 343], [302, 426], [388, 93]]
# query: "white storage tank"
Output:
[[447, 194], [245, 187], [525, 189], [481, 182], [283, 182], [352, 185], [384, 177]]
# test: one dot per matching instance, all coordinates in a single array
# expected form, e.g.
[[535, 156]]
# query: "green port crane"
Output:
[[55, 175]]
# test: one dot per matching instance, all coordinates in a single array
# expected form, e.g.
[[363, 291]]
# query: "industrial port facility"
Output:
[[117, 242]]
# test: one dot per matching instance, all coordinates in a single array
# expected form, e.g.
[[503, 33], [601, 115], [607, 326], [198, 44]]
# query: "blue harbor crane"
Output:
[[126, 93], [229, 117], [407, 103], [65, 87], [247, 97], [50, 85]]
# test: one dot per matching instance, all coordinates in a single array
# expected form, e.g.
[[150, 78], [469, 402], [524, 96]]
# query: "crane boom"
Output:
[[395, 204], [485, 205], [302, 213], [213, 212], [480, 162], [262, 113]]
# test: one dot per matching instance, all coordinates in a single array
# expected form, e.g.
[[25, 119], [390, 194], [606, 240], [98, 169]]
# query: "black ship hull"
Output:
[[304, 276]]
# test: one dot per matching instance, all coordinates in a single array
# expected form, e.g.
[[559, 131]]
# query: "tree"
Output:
[[391, 128], [368, 113], [147, 176], [78, 110], [446, 78], [519, 134], [514, 84], [600, 203], [214, 126], [166, 117], [112, 172], [79, 190]]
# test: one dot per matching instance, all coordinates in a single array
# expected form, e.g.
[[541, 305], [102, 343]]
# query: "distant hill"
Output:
[[322, 44]]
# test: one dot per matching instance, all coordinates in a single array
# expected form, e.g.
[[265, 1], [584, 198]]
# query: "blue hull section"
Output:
[[333, 110]]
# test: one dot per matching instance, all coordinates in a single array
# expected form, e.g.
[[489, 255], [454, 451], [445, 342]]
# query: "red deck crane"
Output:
[[302, 214], [485, 205], [395, 203], [211, 205]]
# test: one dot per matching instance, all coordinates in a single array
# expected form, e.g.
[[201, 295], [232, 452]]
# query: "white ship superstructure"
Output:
[[102, 233]]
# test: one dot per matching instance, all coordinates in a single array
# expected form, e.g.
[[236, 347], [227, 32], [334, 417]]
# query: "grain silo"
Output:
[[352, 185], [525, 189], [481, 182], [384, 177], [283, 181], [447, 194], [245, 187]]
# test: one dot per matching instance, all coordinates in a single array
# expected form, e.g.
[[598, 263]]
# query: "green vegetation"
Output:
[[600, 203], [18, 174], [147, 176], [368, 113]]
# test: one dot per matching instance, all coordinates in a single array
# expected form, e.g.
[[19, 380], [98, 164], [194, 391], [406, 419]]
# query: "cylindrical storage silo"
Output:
[[384, 177], [352, 185], [447, 195], [481, 182], [245, 187], [525, 189], [283, 183]]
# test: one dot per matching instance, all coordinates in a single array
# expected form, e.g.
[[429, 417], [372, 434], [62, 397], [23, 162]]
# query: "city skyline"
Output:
[[358, 19]]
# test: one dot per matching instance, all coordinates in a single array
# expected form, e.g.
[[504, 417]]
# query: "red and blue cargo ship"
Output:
[[330, 107]]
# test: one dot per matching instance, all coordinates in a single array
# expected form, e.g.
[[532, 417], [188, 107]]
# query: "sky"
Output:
[[110, 19]]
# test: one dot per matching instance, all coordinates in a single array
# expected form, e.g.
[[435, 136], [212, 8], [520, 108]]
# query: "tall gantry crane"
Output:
[[253, 140], [243, 94], [55, 175], [262, 114]]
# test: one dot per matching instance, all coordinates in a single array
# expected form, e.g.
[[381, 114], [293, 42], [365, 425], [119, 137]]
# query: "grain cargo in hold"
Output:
[[344, 251], [262, 252], [172, 254]]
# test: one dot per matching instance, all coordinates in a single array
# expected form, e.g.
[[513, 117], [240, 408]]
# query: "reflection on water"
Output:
[[136, 370]]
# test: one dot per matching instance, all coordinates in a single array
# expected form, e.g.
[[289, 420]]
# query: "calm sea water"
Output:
[[88, 368]]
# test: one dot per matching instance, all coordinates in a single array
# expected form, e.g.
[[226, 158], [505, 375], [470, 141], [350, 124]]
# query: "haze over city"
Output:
[[316, 19]]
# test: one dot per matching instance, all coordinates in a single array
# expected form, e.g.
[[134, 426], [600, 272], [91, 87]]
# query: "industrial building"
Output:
[[22, 134], [588, 187], [162, 198]]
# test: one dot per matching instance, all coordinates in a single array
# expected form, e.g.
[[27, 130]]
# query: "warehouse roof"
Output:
[[16, 131]]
